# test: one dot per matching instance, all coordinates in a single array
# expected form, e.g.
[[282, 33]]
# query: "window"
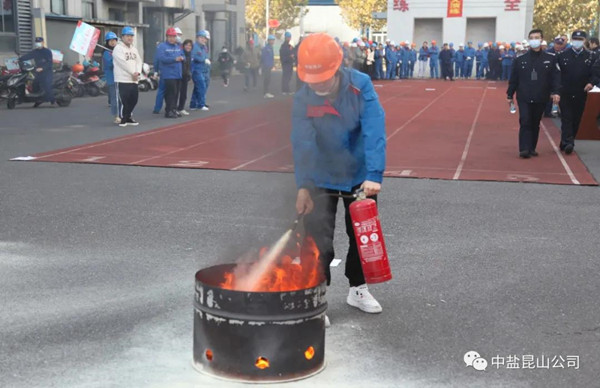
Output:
[[7, 16], [116, 14], [57, 7], [88, 9]]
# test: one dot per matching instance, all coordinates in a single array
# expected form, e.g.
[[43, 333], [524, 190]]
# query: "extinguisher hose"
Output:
[[358, 194]]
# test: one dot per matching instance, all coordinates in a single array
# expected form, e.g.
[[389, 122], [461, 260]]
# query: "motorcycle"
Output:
[[20, 88], [147, 80], [90, 80]]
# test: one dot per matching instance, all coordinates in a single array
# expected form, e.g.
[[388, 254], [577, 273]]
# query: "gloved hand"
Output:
[[207, 61], [468, 58]]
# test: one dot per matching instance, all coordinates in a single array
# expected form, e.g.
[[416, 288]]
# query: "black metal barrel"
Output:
[[257, 336]]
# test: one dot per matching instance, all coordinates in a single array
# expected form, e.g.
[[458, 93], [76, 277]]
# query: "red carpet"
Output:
[[444, 130]]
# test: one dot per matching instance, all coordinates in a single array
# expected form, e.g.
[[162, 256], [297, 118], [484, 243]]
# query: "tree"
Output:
[[288, 12], [358, 14], [557, 17]]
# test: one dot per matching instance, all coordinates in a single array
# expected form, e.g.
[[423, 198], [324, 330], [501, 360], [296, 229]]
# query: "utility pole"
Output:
[[267, 20]]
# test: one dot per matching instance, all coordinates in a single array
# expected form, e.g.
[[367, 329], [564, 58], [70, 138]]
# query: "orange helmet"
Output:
[[413, 45], [319, 58], [77, 68]]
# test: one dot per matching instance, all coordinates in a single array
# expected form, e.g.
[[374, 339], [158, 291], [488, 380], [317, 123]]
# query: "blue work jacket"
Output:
[[341, 144]]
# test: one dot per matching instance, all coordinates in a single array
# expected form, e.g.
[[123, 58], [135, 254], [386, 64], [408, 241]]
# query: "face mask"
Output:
[[38, 45], [178, 39], [577, 44], [535, 43]]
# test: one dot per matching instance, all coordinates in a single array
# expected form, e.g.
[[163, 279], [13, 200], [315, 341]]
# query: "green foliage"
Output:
[[556, 17], [288, 13], [358, 13]]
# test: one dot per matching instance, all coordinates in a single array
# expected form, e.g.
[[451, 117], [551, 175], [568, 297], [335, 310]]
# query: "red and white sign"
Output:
[[401, 5], [455, 8], [512, 5], [85, 39]]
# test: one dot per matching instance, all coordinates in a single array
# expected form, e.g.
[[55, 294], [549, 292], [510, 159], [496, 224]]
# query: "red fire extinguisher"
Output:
[[369, 239]]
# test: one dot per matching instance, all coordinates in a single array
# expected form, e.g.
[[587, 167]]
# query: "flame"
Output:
[[285, 274], [262, 363], [309, 353]]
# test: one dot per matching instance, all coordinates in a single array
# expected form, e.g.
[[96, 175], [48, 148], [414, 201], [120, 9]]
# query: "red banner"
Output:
[[95, 37], [455, 8]]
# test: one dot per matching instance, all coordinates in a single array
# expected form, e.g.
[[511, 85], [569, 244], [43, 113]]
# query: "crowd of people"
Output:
[[489, 60]]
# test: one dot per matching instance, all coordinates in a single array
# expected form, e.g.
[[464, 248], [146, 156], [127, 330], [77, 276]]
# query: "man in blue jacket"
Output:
[[390, 61], [338, 141], [108, 66], [459, 61], [434, 55], [469, 58], [43, 70], [378, 60], [169, 56], [200, 62], [267, 61]]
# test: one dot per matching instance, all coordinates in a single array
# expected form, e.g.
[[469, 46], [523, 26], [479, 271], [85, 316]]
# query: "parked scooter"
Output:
[[20, 88], [90, 79], [145, 82]]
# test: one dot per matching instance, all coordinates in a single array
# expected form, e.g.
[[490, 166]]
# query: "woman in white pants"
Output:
[[423, 57]]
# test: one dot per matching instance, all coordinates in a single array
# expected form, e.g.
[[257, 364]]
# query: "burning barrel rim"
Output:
[[253, 317]]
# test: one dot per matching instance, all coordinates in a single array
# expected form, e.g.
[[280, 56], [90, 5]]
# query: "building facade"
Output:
[[459, 21], [56, 21], [324, 16]]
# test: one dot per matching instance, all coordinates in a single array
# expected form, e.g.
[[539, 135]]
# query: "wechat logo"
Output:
[[475, 360]]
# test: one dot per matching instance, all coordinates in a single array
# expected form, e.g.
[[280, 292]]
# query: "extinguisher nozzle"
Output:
[[297, 221]]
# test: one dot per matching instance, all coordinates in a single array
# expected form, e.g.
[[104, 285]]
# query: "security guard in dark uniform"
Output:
[[576, 80], [43, 70], [535, 76]]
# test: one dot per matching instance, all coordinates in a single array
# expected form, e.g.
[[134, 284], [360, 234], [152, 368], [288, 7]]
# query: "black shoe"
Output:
[[171, 115], [569, 149], [123, 123], [524, 154], [131, 121], [37, 104], [176, 113], [156, 112], [533, 153], [562, 146]]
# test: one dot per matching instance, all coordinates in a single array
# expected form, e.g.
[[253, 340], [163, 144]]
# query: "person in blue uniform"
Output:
[[378, 61], [200, 62], [286, 56], [423, 57], [170, 57], [390, 61], [338, 142], [160, 90], [469, 59], [412, 60], [507, 61], [459, 61], [267, 61], [434, 54], [42, 58], [108, 67]]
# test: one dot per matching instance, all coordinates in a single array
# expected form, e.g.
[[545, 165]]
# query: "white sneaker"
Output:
[[204, 108], [269, 95], [361, 298], [327, 323], [184, 112], [117, 120]]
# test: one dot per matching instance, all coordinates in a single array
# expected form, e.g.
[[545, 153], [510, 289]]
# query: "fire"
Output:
[[285, 274], [309, 353], [262, 363]]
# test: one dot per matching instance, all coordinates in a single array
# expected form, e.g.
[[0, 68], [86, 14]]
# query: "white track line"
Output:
[[417, 114], [200, 143], [560, 157], [127, 137], [261, 158], [468, 145]]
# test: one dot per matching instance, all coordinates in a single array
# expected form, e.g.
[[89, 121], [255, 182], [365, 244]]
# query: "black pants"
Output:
[[571, 111], [447, 70], [183, 91], [320, 225], [530, 115], [225, 75], [286, 76], [266, 72], [128, 95], [171, 94]]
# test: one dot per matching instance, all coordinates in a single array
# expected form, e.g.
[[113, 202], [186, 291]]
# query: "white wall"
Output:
[[510, 25], [325, 18]]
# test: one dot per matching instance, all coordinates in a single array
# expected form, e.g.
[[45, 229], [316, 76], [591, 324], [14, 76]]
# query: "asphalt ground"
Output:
[[97, 267]]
